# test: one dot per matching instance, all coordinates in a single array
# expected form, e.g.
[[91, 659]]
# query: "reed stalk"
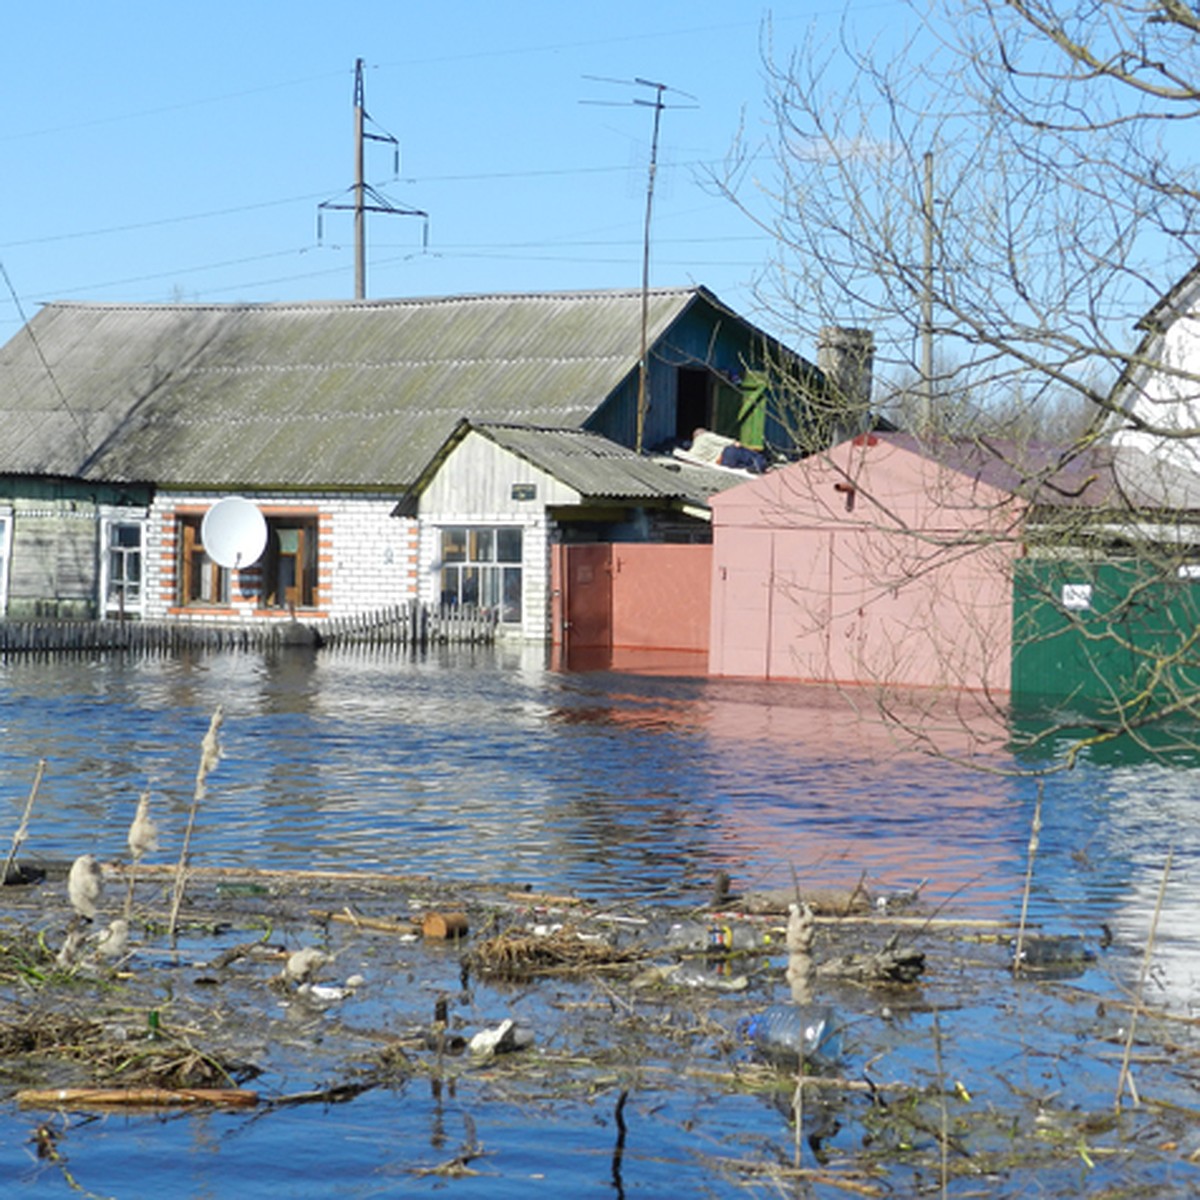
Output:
[[23, 827], [1035, 830], [1124, 1077], [210, 754]]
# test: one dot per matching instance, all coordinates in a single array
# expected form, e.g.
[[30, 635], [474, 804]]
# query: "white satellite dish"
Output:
[[234, 532]]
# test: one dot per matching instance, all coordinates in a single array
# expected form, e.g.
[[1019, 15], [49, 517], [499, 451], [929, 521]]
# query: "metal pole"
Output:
[[360, 218]]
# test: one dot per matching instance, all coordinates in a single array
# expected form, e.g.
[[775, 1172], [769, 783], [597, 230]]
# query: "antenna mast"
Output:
[[366, 198], [644, 368], [643, 396]]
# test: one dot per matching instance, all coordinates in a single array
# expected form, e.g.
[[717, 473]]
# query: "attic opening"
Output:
[[693, 401]]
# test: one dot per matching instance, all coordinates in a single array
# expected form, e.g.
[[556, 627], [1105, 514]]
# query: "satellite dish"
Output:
[[234, 532]]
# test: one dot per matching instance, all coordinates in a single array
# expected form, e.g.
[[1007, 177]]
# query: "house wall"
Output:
[[475, 487], [50, 544], [703, 337], [367, 559], [53, 562], [871, 565], [1169, 398]]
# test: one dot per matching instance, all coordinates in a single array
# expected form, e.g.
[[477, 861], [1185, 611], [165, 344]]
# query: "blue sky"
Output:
[[158, 153]]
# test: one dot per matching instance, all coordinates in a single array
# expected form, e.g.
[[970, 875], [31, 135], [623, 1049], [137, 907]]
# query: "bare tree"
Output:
[[1001, 201]]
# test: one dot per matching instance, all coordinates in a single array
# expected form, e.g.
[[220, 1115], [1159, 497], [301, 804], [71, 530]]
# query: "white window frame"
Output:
[[109, 602], [6, 540], [490, 574]]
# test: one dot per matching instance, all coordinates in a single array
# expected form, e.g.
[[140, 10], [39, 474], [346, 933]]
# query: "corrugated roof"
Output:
[[1101, 477], [602, 470], [353, 394]]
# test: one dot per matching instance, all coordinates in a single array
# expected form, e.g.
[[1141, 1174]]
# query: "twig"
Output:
[[1124, 1078], [22, 829], [619, 1148], [1034, 830], [209, 755], [798, 1113], [943, 1132], [134, 1097]]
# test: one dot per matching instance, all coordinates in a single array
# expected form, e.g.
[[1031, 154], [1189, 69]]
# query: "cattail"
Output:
[[85, 886], [71, 950], [143, 833], [113, 941], [303, 965]]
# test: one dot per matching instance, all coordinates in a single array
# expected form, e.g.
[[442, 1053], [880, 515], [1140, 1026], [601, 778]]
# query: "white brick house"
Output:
[[124, 424]]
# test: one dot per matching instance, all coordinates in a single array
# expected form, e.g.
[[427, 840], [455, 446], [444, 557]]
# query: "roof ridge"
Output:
[[380, 303]]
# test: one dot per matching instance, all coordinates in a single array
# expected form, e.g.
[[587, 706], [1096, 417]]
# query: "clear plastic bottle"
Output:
[[717, 937], [789, 1033]]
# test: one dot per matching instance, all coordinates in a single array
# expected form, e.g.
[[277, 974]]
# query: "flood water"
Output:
[[486, 765]]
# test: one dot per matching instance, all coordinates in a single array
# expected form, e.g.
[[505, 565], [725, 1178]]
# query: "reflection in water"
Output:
[[483, 763]]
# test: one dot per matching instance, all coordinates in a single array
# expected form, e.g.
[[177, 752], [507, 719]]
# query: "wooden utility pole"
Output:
[[643, 399]]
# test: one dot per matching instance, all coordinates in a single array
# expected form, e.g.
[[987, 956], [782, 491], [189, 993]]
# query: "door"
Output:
[[586, 626]]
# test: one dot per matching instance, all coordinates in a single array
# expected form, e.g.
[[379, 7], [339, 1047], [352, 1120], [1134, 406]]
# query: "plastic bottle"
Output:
[[716, 937], [788, 1033]]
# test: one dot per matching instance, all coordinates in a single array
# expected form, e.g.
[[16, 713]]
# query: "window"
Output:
[[482, 567], [5, 548], [201, 581], [121, 566], [289, 564]]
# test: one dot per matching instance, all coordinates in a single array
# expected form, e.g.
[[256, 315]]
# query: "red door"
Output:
[[586, 632]]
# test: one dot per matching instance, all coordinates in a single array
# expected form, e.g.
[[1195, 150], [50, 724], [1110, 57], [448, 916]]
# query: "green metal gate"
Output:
[[1121, 635]]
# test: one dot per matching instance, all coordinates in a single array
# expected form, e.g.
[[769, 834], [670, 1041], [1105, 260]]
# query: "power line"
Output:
[[37, 346]]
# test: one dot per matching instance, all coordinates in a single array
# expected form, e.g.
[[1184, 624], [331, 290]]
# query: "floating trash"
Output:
[[1061, 955], [789, 1033]]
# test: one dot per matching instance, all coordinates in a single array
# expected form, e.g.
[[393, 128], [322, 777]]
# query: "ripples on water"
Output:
[[485, 764]]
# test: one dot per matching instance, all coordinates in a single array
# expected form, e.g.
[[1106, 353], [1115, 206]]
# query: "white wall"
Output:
[[1170, 400], [474, 487], [367, 557]]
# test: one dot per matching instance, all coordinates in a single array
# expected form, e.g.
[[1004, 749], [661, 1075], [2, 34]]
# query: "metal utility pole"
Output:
[[925, 415], [643, 396], [366, 198], [360, 186]]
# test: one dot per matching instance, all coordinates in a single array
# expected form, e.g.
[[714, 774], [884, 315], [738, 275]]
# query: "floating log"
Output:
[[135, 1097], [440, 925]]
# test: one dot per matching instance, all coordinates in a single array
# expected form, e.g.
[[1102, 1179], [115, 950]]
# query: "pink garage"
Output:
[[871, 563]]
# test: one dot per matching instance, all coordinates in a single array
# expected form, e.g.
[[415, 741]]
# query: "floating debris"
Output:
[[502, 1039], [786, 1034], [1053, 955], [520, 954]]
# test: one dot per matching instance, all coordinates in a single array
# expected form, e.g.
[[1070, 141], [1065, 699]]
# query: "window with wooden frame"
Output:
[[122, 548], [201, 581], [481, 567], [289, 564]]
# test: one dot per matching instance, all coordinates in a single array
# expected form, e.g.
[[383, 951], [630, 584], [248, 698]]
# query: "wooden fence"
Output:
[[413, 624], [410, 624]]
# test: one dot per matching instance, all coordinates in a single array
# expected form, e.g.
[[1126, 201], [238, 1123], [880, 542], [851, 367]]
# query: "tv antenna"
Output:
[[658, 104], [366, 198]]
